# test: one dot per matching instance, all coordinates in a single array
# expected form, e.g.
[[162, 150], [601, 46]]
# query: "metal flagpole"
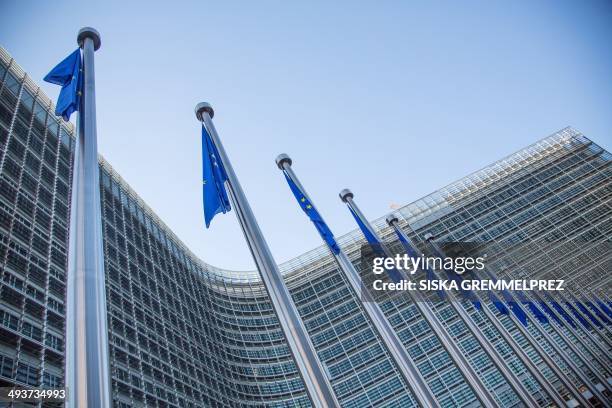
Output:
[[310, 368], [400, 356], [471, 377], [87, 363], [548, 388]]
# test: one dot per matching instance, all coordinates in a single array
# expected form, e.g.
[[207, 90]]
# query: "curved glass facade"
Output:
[[183, 333]]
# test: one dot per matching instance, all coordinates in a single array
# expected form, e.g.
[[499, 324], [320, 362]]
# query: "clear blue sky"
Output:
[[390, 99]]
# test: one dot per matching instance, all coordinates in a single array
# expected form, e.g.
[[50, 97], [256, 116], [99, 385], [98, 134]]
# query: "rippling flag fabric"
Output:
[[605, 308], [314, 215], [517, 310], [413, 254], [533, 308], [602, 315], [550, 312], [578, 316], [68, 74], [557, 306], [499, 305], [372, 240], [213, 180], [375, 245], [585, 311]]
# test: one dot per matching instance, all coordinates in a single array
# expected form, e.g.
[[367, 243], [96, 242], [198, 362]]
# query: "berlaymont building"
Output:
[[183, 333]]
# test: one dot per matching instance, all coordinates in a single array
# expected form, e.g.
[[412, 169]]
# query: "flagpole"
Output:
[[547, 387], [469, 374], [87, 357], [582, 376], [393, 344], [304, 354]]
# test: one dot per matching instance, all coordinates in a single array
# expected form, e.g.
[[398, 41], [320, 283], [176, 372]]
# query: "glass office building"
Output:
[[183, 333]]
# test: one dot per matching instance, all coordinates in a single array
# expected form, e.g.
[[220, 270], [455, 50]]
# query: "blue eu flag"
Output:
[[376, 245], [578, 316], [67, 74], [602, 316], [515, 307], [372, 240], [550, 312], [314, 216], [533, 308], [213, 179], [605, 308], [501, 307], [588, 314], [537, 312], [413, 254], [563, 313]]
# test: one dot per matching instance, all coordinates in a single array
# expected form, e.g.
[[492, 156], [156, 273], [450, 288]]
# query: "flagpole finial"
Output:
[[391, 218], [204, 107], [89, 32], [345, 194], [281, 159]]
